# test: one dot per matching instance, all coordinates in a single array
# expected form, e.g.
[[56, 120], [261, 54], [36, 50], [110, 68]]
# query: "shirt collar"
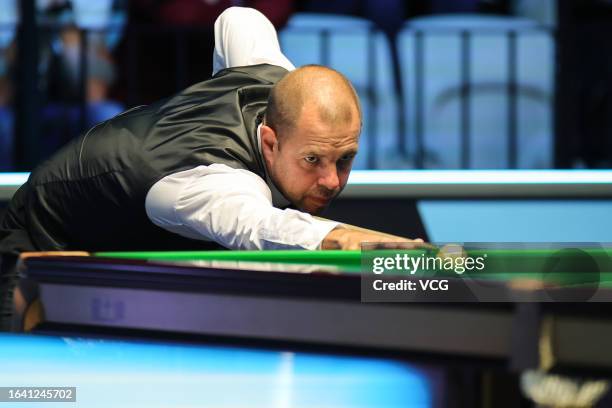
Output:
[[278, 199]]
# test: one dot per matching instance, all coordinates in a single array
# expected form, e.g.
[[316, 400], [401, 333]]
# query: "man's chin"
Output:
[[314, 209]]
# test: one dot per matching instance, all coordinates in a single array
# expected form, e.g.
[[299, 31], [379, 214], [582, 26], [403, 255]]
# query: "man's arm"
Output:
[[234, 208], [231, 207], [244, 36]]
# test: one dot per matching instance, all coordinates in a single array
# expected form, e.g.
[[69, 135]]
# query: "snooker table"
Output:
[[314, 299]]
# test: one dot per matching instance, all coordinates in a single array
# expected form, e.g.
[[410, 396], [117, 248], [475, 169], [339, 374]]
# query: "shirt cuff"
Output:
[[321, 229]]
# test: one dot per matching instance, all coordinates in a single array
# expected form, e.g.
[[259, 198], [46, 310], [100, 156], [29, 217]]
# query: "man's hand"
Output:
[[347, 238]]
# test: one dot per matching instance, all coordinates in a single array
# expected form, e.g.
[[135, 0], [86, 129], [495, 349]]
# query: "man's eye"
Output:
[[345, 161], [311, 159]]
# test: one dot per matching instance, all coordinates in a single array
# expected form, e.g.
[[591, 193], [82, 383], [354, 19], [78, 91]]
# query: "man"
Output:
[[214, 165]]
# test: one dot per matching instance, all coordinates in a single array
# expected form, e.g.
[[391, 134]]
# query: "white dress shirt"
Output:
[[235, 207]]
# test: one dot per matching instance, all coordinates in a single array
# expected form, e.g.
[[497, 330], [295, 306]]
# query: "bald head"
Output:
[[323, 91]]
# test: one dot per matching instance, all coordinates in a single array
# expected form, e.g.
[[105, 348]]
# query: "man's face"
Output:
[[311, 165]]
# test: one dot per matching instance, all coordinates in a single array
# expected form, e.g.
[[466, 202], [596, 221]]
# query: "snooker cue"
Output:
[[26, 255]]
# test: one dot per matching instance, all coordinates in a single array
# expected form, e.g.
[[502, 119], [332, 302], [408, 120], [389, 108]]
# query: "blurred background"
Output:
[[445, 84]]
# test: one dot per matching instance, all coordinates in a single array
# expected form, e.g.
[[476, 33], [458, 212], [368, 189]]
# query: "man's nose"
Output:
[[329, 178]]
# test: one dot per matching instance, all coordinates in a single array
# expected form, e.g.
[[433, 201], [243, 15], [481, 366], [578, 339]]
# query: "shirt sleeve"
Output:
[[231, 207], [244, 36]]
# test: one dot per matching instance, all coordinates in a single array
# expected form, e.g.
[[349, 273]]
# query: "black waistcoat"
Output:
[[91, 194]]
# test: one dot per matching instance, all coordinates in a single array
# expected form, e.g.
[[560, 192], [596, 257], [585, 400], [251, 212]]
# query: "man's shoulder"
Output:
[[263, 73]]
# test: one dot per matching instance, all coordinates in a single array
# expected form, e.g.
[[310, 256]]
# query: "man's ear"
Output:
[[269, 143]]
